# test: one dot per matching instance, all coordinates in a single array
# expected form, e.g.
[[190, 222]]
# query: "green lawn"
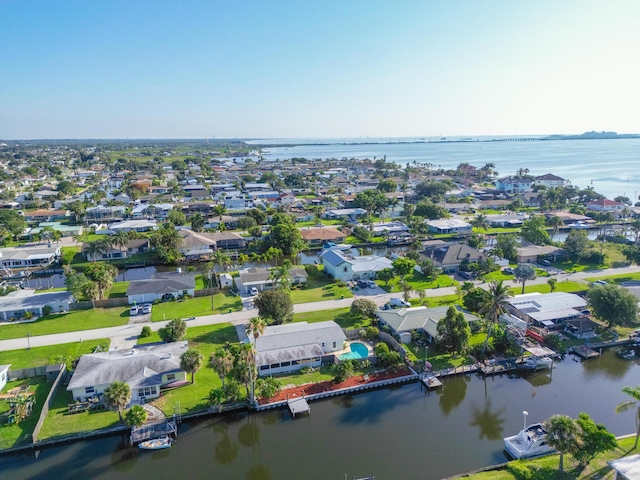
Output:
[[67, 322], [342, 316], [546, 468], [623, 277], [195, 396], [119, 289], [440, 301], [563, 286], [37, 356], [12, 435], [318, 289], [418, 282], [196, 307]]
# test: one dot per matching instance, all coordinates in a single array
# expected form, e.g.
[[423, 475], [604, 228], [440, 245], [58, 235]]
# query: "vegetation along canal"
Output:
[[395, 433]]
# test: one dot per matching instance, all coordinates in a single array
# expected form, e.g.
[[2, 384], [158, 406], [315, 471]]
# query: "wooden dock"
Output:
[[585, 352], [153, 430], [298, 405], [430, 381], [496, 369]]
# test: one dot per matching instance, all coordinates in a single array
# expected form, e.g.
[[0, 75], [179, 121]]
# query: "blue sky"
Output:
[[306, 68]]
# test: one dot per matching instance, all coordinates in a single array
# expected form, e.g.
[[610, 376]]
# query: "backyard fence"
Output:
[[26, 373], [105, 303], [48, 403], [389, 340]]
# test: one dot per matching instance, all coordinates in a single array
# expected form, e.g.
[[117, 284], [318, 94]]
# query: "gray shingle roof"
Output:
[[163, 283], [136, 366]]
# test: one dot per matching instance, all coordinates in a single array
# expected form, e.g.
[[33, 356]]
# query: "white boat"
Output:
[[156, 443], [536, 363], [579, 225], [338, 246], [530, 442]]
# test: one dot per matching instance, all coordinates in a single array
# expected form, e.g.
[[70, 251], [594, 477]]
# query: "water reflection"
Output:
[[373, 410], [344, 401], [608, 366], [124, 457], [259, 472], [490, 422], [249, 434], [226, 450], [452, 393]]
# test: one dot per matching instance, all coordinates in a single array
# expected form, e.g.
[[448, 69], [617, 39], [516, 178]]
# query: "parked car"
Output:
[[598, 283], [508, 271], [134, 310], [253, 291], [545, 263], [399, 302], [466, 275], [146, 308]]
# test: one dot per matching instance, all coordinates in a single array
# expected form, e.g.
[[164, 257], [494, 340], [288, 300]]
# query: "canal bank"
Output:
[[402, 431]]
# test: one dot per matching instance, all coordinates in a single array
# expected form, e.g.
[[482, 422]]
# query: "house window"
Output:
[[285, 364], [345, 269], [146, 391], [89, 390], [334, 344], [171, 377], [275, 365], [322, 344], [264, 367]]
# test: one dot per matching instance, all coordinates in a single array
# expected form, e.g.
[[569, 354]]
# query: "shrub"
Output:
[[372, 333], [28, 315], [47, 309], [521, 471], [146, 332], [339, 283]]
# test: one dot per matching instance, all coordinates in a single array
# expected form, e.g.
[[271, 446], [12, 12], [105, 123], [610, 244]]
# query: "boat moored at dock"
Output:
[[529, 442]]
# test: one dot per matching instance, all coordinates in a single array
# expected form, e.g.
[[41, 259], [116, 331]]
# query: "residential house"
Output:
[[145, 369], [531, 253], [626, 468], [29, 256], [104, 214], [65, 230], [134, 246], [448, 257], [285, 199], [389, 228], [549, 181], [293, 346], [134, 226], [449, 225], [16, 304], [346, 267], [237, 202], [196, 191], [162, 286], [425, 320], [319, 236], [546, 310], [255, 187], [511, 184], [260, 278], [198, 244], [46, 215], [506, 220], [605, 205], [350, 214]]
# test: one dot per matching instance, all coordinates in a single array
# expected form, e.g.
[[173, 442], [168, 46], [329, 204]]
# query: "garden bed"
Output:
[[330, 385]]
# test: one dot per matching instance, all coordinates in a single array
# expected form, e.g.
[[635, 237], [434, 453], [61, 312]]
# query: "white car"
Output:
[[146, 308], [134, 310], [253, 291]]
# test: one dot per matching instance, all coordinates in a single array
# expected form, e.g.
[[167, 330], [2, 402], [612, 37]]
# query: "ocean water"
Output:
[[611, 167]]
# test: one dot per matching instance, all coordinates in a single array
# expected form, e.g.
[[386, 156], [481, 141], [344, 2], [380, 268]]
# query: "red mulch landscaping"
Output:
[[328, 385]]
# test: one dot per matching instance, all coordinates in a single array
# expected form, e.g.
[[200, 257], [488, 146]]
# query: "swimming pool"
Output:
[[358, 351]]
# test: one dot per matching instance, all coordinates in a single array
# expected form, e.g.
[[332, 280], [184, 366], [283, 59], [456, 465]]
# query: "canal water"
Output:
[[402, 432]]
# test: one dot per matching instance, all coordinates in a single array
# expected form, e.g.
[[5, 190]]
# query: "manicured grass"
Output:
[[119, 289], [50, 290], [318, 289], [570, 287], [442, 300], [196, 307], [67, 322], [12, 435], [37, 356], [342, 316], [546, 468], [623, 277], [59, 422], [418, 282], [192, 397]]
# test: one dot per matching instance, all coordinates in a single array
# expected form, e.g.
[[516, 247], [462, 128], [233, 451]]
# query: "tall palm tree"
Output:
[[555, 223], [219, 210], [634, 392], [222, 362], [117, 396], [494, 306], [481, 222], [191, 361], [197, 222], [282, 275], [256, 327], [563, 435], [94, 249], [120, 239]]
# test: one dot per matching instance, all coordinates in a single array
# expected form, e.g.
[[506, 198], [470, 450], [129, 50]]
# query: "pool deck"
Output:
[[348, 349]]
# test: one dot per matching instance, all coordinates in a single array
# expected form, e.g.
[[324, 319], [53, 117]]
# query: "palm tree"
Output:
[[222, 362], [494, 306], [117, 396], [634, 392], [95, 249], [524, 272], [219, 210], [221, 258], [555, 222], [282, 275], [197, 222], [120, 239], [256, 327], [191, 361], [563, 435], [248, 359], [552, 284], [481, 222]]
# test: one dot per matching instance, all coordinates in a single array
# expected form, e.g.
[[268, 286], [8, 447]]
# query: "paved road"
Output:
[[126, 335]]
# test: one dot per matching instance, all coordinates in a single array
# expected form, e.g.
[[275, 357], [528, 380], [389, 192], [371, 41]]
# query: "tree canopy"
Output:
[[174, 331], [275, 306], [454, 331], [364, 307], [524, 272], [577, 244], [533, 231], [613, 304]]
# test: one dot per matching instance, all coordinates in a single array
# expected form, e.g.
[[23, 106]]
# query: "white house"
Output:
[[346, 267], [422, 319], [29, 256], [604, 205], [17, 303], [549, 180], [260, 278], [514, 184], [145, 369], [134, 226], [292, 346], [449, 225], [547, 309], [162, 286]]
